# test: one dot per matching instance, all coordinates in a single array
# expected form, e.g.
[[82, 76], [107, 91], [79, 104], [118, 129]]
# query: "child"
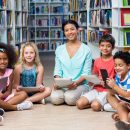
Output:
[[73, 60], [1, 116], [96, 98], [10, 101], [121, 87], [29, 73]]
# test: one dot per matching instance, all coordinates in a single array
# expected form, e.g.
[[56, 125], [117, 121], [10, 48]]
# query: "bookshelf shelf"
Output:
[[45, 20]]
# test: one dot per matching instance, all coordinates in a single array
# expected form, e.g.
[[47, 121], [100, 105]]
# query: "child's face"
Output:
[[121, 68], [3, 60], [105, 48], [29, 54], [70, 32]]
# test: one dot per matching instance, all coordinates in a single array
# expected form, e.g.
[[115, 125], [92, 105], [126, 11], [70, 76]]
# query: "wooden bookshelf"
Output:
[[45, 20]]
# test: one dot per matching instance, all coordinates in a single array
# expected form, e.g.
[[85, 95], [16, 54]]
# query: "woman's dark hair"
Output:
[[70, 22], [11, 54], [125, 56], [108, 38]]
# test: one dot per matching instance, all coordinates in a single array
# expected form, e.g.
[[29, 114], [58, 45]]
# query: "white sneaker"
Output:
[[1, 120], [108, 107], [43, 101], [24, 105], [2, 112]]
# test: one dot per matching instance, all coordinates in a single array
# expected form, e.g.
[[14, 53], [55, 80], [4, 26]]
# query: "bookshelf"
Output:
[[78, 9], [21, 17], [121, 23], [99, 23], [13, 17], [45, 20]]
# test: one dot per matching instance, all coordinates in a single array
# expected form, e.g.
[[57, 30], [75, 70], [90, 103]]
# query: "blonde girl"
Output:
[[29, 73]]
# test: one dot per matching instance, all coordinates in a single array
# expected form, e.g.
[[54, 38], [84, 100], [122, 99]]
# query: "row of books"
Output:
[[45, 22], [56, 33], [9, 36], [83, 4], [94, 35], [20, 19], [126, 2], [7, 4], [100, 4], [124, 37], [59, 8], [21, 5], [82, 18], [2, 19], [100, 17], [9, 18], [20, 34], [76, 5], [54, 44], [44, 45], [83, 35], [42, 9], [3, 4], [44, 33]]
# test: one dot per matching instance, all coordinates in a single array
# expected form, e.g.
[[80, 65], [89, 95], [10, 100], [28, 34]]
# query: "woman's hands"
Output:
[[74, 85]]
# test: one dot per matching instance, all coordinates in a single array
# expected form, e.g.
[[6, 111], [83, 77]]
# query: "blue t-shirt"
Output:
[[125, 84]]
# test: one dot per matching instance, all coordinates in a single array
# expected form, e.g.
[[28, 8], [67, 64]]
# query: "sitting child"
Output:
[[121, 87], [29, 73]]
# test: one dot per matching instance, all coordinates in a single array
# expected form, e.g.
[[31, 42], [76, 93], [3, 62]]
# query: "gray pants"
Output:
[[68, 96]]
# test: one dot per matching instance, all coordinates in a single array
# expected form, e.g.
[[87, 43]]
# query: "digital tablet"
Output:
[[93, 79], [30, 89], [104, 75], [3, 83], [63, 82], [123, 99]]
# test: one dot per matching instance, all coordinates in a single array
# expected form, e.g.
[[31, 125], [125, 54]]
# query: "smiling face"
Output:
[[121, 68], [71, 32], [3, 61], [105, 48], [29, 54]]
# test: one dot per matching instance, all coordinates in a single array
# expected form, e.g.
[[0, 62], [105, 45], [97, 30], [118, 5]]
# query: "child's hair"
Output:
[[107, 38], [125, 56], [23, 46], [70, 22], [9, 50]]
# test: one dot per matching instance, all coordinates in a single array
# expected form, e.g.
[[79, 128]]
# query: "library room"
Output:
[[65, 64]]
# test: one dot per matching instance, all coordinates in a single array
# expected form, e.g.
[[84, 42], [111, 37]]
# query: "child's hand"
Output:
[[101, 81], [110, 82], [41, 88]]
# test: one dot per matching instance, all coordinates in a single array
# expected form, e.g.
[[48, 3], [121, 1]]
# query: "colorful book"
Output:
[[125, 17]]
